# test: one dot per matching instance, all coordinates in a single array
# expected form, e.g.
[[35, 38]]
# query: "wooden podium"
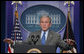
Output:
[[26, 48]]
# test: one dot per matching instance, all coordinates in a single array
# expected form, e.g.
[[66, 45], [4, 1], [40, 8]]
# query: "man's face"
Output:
[[45, 23]]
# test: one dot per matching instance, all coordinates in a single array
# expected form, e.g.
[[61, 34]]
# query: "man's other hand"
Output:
[[70, 42], [8, 40]]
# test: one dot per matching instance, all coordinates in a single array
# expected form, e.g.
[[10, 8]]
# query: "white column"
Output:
[[34, 19], [59, 19], [54, 19], [31, 19], [37, 20], [28, 20]]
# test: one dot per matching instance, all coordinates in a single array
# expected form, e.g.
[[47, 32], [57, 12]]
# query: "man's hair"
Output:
[[45, 16]]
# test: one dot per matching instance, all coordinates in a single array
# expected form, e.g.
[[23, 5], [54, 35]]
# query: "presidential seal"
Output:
[[34, 50]]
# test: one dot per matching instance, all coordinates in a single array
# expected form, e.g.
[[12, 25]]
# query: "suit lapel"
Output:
[[49, 38]]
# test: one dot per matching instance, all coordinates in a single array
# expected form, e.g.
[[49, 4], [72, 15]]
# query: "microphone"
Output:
[[32, 40], [35, 39]]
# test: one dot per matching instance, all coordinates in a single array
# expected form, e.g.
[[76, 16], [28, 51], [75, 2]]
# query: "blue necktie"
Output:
[[43, 39]]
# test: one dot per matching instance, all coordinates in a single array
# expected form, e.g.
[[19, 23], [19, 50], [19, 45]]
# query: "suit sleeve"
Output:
[[28, 40], [63, 45]]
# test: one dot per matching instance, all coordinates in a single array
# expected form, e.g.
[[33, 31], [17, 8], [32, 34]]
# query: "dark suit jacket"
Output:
[[53, 39]]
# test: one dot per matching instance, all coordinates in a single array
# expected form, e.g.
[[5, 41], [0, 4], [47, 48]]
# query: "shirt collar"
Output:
[[45, 34], [45, 31]]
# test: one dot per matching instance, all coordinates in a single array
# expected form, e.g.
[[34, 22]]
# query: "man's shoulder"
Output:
[[54, 33], [51, 31]]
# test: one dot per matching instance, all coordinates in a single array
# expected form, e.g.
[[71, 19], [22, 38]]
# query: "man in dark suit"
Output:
[[46, 36], [51, 37]]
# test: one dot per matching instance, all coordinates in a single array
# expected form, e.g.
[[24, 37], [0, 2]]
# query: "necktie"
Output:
[[43, 39]]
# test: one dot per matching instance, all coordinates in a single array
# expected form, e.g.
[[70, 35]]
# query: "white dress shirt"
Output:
[[46, 34]]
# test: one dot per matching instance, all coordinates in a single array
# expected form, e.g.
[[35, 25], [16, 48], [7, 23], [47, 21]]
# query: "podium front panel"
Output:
[[24, 48]]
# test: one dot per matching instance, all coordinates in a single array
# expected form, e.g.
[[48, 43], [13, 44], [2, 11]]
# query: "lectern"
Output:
[[26, 48]]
